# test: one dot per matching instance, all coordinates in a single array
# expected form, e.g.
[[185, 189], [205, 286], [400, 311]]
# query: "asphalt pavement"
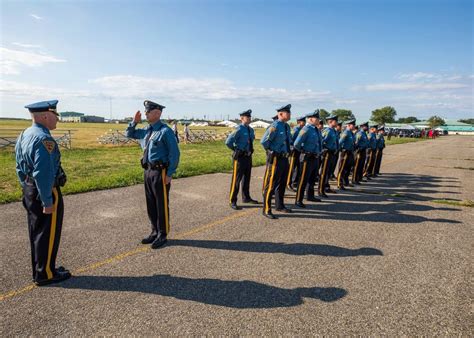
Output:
[[379, 259]]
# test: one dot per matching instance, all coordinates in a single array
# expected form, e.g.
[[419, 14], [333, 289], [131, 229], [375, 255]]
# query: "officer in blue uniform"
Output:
[[294, 171], [38, 167], [346, 146], [329, 154], [380, 147], [160, 160], [309, 144], [338, 134], [277, 142], [241, 143], [361, 144], [371, 152]]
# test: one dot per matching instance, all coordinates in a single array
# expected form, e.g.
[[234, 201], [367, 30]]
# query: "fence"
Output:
[[63, 137], [115, 137]]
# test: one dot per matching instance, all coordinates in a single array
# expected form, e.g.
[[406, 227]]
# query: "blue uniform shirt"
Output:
[[346, 141], [309, 140], [296, 131], [372, 141], [361, 140], [380, 141], [37, 156], [277, 137], [241, 138], [162, 144], [330, 141]]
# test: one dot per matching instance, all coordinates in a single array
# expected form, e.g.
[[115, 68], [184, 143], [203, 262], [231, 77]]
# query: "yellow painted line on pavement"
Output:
[[136, 251]]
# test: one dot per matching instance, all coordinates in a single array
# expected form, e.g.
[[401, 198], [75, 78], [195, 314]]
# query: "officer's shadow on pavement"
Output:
[[233, 294], [297, 249]]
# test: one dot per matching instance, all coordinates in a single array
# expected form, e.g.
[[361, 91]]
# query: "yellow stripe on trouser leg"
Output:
[[234, 177], [265, 178], [321, 178], [375, 162], [270, 186], [52, 233], [366, 171], [354, 173], [340, 171], [288, 180], [300, 186], [165, 201]]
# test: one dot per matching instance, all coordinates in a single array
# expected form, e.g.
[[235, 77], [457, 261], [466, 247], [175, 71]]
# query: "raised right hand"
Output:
[[138, 117]]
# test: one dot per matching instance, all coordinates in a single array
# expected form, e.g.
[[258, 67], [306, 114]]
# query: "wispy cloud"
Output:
[[13, 61], [25, 45], [36, 17], [404, 86]]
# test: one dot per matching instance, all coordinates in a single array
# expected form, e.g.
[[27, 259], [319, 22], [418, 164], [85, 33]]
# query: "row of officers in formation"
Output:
[[302, 160]]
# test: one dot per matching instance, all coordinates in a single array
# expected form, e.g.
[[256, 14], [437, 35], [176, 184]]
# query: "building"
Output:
[[92, 118], [70, 116]]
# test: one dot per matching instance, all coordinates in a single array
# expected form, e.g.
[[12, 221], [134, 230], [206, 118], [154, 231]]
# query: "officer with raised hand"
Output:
[[361, 144], [160, 160], [293, 172], [277, 142], [38, 167], [371, 152], [329, 155], [241, 142], [308, 143], [346, 146], [380, 147]]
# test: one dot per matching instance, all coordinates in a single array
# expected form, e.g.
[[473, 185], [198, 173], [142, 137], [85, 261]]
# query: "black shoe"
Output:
[[269, 215], [159, 242], [250, 200], [300, 205], [368, 178], [323, 195], [235, 206], [149, 239], [61, 269], [342, 188], [331, 191], [291, 188], [313, 199], [285, 210], [58, 276]]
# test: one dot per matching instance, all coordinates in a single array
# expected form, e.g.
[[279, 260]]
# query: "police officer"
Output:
[[361, 144], [338, 134], [160, 160], [329, 155], [241, 142], [38, 167], [277, 142], [293, 172], [309, 144], [380, 147], [346, 146], [371, 152]]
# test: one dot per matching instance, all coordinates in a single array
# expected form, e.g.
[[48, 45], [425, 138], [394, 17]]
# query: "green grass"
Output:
[[465, 203]]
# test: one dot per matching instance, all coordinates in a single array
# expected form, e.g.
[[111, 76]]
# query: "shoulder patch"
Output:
[[302, 132], [49, 145], [272, 129]]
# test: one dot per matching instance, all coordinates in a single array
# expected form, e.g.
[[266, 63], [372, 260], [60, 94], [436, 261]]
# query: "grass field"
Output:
[[92, 166]]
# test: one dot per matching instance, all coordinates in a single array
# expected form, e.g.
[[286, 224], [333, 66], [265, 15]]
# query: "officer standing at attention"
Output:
[[380, 146], [277, 142], [160, 160], [346, 145], [361, 143], [38, 167], [241, 142], [293, 172], [329, 155], [308, 143], [338, 134], [371, 152]]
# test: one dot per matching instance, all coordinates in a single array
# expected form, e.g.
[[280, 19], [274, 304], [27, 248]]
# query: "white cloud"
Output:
[[25, 45], [37, 17], [12, 61], [417, 76], [14, 89], [404, 86]]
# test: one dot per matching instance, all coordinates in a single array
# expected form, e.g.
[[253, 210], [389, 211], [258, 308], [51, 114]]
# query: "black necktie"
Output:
[[250, 140], [287, 140]]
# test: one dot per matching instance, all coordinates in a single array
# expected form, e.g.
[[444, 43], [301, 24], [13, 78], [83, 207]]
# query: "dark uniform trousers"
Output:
[[294, 171], [334, 158], [326, 162], [308, 168], [345, 164], [242, 171], [369, 167], [275, 182], [359, 166], [44, 231], [378, 162], [157, 201]]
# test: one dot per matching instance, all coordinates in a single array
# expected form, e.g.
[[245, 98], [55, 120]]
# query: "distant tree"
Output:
[[384, 115], [323, 113], [409, 119], [435, 121], [343, 114], [468, 121]]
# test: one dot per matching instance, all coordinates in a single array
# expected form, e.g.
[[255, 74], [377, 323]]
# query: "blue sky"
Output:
[[217, 58]]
